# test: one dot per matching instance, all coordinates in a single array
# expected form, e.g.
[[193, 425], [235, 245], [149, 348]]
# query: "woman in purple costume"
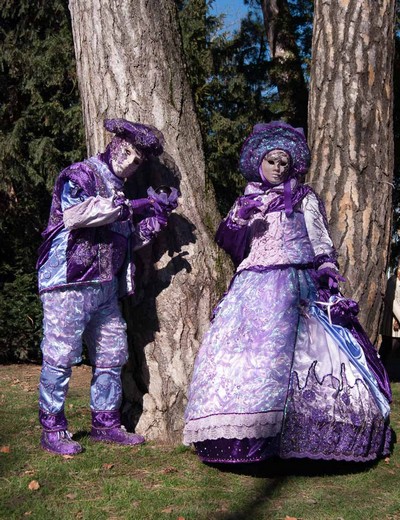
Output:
[[285, 369]]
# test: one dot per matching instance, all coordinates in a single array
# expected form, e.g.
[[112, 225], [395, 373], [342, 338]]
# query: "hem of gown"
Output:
[[270, 448], [312, 456]]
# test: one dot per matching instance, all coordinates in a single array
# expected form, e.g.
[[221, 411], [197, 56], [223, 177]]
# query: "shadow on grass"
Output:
[[277, 468], [258, 505], [81, 435], [276, 473]]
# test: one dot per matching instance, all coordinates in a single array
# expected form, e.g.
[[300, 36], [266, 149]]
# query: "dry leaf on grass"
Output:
[[108, 466], [71, 496], [33, 485], [387, 460], [167, 510], [67, 457], [291, 518], [169, 469], [27, 513], [180, 518], [4, 449]]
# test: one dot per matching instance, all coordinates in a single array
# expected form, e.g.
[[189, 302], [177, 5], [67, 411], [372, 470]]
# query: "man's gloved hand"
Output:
[[164, 200], [160, 202]]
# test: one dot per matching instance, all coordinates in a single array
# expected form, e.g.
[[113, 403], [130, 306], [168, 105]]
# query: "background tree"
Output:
[[286, 67], [134, 68], [40, 132], [351, 138]]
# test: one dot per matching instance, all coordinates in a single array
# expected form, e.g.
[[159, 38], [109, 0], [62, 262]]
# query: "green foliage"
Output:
[[40, 133], [231, 82], [20, 318], [237, 98]]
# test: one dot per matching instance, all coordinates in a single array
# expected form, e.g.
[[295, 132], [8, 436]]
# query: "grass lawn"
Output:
[[157, 481]]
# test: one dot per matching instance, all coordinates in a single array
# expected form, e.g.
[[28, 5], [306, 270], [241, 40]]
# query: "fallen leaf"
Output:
[[290, 518], [34, 485], [387, 460], [169, 469], [5, 449], [108, 466], [167, 510], [29, 472], [180, 518], [67, 457], [71, 496], [27, 513]]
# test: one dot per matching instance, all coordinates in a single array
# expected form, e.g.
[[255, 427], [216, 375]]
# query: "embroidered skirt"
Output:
[[274, 378]]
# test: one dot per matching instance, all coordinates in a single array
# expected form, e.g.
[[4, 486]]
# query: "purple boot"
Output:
[[55, 436], [106, 427]]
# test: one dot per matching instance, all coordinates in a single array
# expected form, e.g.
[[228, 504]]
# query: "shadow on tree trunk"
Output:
[[140, 310]]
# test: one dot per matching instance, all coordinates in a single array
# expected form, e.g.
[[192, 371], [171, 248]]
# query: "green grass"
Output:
[[157, 481]]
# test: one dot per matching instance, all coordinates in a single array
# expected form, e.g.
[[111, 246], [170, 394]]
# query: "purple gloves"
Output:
[[160, 203], [163, 200], [329, 278], [248, 208]]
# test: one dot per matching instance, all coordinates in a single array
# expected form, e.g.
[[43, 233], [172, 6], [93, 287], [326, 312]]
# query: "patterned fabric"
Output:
[[145, 137], [270, 237], [84, 242], [270, 379], [276, 135], [91, 312]]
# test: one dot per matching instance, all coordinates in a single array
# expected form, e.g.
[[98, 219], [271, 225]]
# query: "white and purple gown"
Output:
[[275, 376]]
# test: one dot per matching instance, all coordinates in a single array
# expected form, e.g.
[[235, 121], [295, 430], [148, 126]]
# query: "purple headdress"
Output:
[[145, 137], [276, 135]]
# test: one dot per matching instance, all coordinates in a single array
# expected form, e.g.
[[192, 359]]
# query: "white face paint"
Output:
[[275, 166], [125, 159]]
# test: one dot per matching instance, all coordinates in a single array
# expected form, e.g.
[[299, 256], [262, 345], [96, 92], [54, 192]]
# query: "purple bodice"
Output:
[[271, 237], [278, 240]]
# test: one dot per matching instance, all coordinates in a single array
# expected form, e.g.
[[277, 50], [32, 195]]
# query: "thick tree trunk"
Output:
[[351, 138], [129, 58], [285, 72]]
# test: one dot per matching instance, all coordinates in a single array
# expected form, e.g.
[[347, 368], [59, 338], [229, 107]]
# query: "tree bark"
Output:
[[129, 60], [285, 71], [351, 139]]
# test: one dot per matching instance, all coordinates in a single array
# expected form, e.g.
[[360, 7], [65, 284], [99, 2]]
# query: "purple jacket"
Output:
[[87, 255]]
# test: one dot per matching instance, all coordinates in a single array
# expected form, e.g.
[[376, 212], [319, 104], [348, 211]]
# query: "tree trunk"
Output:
[[351, 139], [129, 59], [285, 72]]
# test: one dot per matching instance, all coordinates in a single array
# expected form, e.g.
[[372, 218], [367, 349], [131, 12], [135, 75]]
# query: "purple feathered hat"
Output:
[[276, 135], [145, 137]]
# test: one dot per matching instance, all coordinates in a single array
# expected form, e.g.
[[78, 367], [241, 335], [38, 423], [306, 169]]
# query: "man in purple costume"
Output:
[[85, 264], [286, 368]]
